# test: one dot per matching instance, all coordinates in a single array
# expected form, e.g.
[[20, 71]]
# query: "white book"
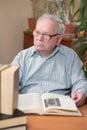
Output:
[[48, 104], [24, 127], [9, 82]]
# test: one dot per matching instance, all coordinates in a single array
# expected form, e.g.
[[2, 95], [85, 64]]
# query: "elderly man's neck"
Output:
[[46, 53]]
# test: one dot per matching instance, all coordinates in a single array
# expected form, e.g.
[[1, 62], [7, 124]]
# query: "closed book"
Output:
[[17, 119], [9, 84], [23, 127], [2, 67]]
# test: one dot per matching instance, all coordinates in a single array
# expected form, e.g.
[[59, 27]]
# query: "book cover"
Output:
[[23, 127], [17, 119], [2, 67], [9, 89]]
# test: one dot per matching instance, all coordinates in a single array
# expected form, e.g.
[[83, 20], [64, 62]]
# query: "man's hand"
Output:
[[78, 98]]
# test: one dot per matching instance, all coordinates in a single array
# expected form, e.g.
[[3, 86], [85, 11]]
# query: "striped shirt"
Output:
[[60, 73]]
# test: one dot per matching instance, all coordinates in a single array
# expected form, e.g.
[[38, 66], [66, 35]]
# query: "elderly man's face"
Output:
[[45, 36]]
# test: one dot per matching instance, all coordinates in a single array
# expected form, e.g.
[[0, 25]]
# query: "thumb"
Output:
[[74, 96]]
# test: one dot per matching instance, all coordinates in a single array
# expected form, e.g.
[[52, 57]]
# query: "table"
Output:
[[36, 122]]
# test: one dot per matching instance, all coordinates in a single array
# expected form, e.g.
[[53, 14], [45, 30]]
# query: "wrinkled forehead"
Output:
[[47, 24]]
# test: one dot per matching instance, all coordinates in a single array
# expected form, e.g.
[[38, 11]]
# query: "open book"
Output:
[[47, 104]]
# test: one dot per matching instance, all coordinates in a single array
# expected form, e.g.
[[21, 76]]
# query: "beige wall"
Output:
[[13, 20]]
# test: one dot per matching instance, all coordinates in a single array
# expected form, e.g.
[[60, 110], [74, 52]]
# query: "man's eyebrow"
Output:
[[42, 32]]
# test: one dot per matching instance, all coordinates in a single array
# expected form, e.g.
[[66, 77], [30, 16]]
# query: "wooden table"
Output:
[[36, 122]]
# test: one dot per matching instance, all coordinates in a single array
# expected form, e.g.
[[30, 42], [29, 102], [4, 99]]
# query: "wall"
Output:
[[13, 20]]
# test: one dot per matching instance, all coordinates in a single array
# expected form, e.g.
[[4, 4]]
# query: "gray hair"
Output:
[[61, 28]]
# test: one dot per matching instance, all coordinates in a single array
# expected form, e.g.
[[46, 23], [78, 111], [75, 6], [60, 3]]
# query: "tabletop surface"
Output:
[[37, 122]]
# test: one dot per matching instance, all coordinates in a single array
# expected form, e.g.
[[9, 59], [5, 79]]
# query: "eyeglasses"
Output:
[[45, 37]]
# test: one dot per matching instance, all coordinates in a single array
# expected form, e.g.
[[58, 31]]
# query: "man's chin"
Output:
[[40, 46]]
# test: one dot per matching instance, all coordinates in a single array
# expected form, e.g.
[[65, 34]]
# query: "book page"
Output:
[[57, 101], [30, 103]]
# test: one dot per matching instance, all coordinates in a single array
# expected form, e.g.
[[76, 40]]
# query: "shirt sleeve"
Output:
[[78, 79]]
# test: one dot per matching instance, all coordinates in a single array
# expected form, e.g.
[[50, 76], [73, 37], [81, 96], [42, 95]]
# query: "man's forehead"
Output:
[[46, 24]]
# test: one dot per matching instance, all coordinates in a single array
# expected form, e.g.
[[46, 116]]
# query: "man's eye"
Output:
[[38, 33]]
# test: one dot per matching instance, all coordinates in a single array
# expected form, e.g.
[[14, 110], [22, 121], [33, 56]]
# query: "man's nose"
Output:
[[40, 36]]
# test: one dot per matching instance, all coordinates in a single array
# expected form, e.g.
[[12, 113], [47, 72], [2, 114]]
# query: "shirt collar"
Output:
[[61, 49], [58, 49], [33, 51]]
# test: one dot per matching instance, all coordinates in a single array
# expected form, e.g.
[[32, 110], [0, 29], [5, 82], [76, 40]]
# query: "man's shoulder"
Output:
[[67, 50], [28, 51]]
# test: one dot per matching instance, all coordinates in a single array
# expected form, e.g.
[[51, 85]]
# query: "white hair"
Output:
[[60, 28]]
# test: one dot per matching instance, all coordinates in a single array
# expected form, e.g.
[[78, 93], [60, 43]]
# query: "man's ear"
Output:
[[59, 40]]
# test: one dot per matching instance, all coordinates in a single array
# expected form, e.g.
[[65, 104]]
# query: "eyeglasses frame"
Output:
[[50, 36]]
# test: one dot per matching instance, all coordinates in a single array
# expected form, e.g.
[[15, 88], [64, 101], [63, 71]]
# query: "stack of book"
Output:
[[17, 121], [11, 118]]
